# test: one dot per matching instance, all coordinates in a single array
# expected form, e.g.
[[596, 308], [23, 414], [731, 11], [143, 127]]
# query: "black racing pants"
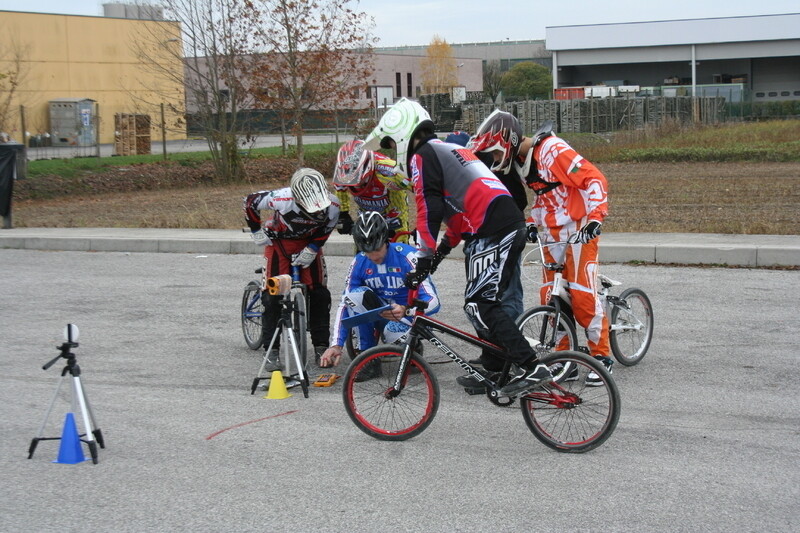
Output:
[[489, 264]]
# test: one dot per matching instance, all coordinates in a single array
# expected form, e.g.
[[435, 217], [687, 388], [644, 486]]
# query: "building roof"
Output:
[[675, 32]]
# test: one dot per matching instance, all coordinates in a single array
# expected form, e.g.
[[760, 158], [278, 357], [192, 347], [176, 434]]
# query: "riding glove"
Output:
[[590, 231], [421, 271], [261, 238], [305, 258], [345, 224], [532, 233]]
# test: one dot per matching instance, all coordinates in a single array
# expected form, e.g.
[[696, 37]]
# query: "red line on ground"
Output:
[[250, 422]]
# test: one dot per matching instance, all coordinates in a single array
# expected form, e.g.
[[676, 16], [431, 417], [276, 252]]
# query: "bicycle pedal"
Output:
[[474, 391], [584, 349]]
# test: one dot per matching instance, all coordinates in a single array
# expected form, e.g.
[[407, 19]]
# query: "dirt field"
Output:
[[754, 198]]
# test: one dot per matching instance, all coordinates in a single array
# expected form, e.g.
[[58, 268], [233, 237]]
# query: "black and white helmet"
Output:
[[370, 231], [310, 190]]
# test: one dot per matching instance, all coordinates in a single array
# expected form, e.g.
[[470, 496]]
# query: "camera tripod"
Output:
[[289, 347], [93, 437]]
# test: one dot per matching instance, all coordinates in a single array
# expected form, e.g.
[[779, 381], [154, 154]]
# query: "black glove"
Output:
[[590, 231], [345, 224], [532, 233], [441, 252], [423, 269]]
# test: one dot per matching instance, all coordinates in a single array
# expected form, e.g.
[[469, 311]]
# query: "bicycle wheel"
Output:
[[631, 324], [367, 399], [568, 416], [252, 313], [537, 323], [299, 324]]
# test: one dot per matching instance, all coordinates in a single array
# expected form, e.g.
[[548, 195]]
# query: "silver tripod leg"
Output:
[[50, 407], [277, 332], [289, 336]]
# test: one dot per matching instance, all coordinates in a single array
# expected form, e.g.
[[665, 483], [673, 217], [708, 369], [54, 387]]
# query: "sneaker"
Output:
[[473, 385], [318, 351], [561, 374], [593, 379], [525, 379], [273, 361], [371, 371]]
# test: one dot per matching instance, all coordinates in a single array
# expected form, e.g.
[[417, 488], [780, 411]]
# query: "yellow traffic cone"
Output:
[[277, 387]]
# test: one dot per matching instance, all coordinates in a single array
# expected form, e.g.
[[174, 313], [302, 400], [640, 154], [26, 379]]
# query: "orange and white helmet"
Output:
[[354, 164]]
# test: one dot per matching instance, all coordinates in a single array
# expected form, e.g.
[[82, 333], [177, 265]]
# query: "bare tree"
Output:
[[210, 55], [491, 78], [316, 54], [13, 69]]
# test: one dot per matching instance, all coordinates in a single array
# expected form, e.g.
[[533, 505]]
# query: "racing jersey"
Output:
[[452, 185], [582, 195], [387, 280], [383, 193], [288, 220]]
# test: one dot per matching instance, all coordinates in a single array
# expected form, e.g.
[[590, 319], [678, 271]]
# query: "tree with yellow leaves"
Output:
[[438, 67]]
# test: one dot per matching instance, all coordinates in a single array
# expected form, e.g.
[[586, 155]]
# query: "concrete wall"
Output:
[[66, 56]]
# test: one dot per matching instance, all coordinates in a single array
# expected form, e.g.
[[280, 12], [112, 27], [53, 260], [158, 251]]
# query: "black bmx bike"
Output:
[[403, 400]]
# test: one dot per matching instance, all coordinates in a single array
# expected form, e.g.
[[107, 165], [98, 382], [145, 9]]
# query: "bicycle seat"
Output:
[[607, 282]]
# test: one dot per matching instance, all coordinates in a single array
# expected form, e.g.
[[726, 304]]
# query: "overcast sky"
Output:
[[415, 22]]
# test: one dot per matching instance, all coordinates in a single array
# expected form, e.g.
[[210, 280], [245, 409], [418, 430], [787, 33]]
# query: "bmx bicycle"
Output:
[[252, 310], [553, 327], [403, 400]]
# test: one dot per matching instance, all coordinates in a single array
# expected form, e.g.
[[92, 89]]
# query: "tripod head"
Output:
[[71, 333]]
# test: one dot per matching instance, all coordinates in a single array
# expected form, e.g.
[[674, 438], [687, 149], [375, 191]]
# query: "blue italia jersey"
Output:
[[387, 280]]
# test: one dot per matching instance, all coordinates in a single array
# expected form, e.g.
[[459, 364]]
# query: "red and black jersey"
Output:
[[452, 185]]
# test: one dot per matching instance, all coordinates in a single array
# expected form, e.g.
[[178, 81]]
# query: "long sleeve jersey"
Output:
[[381, 193], [582, 195], [452, 185], [288, 220], [387, 280]]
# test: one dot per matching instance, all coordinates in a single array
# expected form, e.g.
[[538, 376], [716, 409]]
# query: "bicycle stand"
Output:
[[93, 437], [289, 352]]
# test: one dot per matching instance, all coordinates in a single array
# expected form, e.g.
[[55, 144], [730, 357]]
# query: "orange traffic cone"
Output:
[[277, 387]]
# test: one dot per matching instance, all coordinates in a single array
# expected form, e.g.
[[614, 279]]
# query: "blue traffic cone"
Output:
[[71, 451]]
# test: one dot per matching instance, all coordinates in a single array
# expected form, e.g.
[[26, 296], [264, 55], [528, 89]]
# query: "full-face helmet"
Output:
[[354, 165], [399, 124], [500, 131], [310, 190]]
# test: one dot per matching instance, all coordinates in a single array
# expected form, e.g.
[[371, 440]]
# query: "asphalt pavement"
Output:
[[708, 438], [663, 248]]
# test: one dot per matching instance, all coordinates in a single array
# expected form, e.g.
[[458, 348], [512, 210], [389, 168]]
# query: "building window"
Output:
[[784, 93], [759, 95], [773, 93], [397, 80], [797, 93], [409, 85], [369, 92]]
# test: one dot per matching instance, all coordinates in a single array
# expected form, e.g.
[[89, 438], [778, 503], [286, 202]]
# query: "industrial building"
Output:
[[78, 75], [754, 58]]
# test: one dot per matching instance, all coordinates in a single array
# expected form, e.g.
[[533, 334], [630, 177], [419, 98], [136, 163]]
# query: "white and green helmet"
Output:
[[399, 124]]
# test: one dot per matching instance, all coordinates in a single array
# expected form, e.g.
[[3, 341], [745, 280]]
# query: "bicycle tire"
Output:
[[371, 408], [568, 416], [536, 324], [631, 328], [252, 315], [299, 325]]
